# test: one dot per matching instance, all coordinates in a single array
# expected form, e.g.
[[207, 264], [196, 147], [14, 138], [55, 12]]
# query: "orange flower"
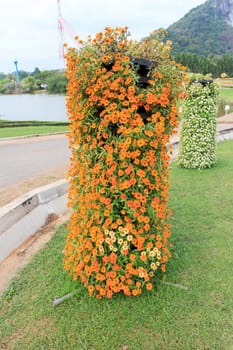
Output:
[[120, 172], [143, 256], [134, 292], [163, 267], [119, 165], [132, 257], [149, 286]]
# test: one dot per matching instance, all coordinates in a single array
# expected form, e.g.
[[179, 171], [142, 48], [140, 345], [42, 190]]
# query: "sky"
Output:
[[29, 31]]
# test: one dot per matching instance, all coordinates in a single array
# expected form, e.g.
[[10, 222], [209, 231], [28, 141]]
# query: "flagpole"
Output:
[[59, 8], [61, 34]]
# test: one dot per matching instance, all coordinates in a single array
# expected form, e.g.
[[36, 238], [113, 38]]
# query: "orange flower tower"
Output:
[[122, 112]]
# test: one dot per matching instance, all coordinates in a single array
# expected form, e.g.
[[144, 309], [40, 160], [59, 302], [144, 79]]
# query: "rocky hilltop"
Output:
[[206, 29]]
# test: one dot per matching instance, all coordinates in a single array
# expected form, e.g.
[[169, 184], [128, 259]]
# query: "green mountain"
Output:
[[206, 29]]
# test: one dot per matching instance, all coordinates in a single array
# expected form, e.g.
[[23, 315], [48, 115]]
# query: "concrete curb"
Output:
[[24, 216], [21, 218], [225, 135]]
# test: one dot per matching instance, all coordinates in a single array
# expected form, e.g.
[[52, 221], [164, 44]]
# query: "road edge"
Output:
[[22, 217]]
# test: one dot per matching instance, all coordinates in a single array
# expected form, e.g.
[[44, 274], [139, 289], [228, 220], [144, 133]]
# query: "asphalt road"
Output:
[[25, 158]]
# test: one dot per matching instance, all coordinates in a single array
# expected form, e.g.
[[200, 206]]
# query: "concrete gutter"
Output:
[[21, 218]]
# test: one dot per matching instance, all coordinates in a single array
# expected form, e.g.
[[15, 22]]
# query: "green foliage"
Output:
[[53, 81], [215, 65], [7, 87], [30, 84], [204, 30], [13, 124], [36, 71], [2, 76], [23, 74], [198, 134], [57, 84]]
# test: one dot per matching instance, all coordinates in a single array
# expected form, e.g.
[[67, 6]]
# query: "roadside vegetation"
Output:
[[25, 128], [195, 314]]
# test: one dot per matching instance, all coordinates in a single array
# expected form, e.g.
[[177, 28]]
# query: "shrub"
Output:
[[122, 109], [198, 133]]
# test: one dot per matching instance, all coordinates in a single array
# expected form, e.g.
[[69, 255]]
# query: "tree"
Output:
[[30, 84], [2, 76], [23, 74], [36, 71], [56, 84]]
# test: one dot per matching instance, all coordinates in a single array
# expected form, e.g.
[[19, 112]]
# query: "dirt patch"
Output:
[[22, 255]]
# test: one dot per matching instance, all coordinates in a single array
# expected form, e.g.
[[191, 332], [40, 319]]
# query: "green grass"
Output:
[[169, 318], [225, 98], [31, 127], [226, 93], [31, 130]]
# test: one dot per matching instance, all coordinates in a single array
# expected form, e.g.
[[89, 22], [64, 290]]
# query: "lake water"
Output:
[[33, 107]]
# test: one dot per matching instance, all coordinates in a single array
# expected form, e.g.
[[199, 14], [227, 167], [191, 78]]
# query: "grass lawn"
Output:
[[31, 127], [226, 93], [168, 318], [31, 130]]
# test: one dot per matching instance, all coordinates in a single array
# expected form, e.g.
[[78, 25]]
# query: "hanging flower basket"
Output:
[[122, 108], [199, 126]]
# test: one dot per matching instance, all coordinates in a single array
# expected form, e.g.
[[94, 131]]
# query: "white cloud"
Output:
[[28, 28]]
